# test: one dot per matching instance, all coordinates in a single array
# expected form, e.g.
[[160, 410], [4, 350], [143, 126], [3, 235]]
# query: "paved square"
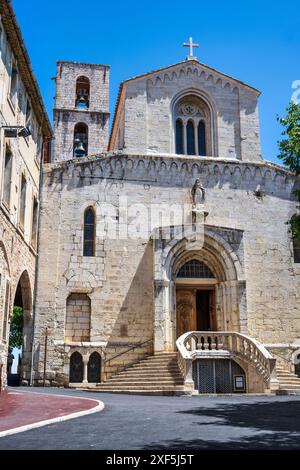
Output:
[[153, 422]]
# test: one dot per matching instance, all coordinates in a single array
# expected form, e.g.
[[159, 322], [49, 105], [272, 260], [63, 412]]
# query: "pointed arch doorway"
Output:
[[195, 298]]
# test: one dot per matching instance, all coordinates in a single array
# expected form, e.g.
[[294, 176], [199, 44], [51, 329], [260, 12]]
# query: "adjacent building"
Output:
[[25, 135]]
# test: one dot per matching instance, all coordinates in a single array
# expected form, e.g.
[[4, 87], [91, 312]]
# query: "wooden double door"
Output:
[[195, 309]]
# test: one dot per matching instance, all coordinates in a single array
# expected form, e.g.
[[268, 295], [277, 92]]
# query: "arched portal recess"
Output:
[[211, 275]]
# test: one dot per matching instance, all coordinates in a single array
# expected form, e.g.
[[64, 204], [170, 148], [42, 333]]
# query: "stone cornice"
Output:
[[19, 50], [173, 171], [168, 159]]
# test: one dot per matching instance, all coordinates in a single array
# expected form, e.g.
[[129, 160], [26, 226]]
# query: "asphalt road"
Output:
[[151, 422]]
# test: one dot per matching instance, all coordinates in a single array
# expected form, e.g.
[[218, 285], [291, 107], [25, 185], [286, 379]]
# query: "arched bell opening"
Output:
[[80, 143], [82, 98]]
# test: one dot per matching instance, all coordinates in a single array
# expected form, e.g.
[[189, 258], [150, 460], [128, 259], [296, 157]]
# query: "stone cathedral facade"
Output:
[[166, 262]]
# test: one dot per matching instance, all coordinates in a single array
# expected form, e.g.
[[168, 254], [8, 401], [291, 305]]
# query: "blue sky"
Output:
[[256, 42]]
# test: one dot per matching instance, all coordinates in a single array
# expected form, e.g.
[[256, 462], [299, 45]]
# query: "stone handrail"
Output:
[[196, 344]]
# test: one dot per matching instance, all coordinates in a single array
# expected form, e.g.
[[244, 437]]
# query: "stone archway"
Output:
[[230, 289], [23, 300]]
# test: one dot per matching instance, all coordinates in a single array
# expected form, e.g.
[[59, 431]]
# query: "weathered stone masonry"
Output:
[[253, 199]]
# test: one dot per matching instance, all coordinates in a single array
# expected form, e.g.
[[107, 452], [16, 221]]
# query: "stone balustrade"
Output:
[[217, 344]]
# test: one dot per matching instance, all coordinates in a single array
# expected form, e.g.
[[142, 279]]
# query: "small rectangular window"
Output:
[[13, 92], [38, 148], [28, 122], [34, 223], [7, 177], [22, 202]]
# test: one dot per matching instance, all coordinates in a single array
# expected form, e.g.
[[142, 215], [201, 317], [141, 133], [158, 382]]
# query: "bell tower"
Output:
[[81, 111]]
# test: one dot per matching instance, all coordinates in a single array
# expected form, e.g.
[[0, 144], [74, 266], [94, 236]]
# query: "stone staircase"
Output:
[[289, 383], [155, 375]]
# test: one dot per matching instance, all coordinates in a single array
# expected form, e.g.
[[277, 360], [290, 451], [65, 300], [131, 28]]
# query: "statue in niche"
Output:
[[198, 199], [198, 193]]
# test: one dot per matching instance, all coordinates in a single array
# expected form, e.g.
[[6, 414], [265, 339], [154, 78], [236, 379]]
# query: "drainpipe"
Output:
[[37, 263]]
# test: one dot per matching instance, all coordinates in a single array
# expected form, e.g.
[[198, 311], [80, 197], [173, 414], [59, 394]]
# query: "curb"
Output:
[[27, 427]]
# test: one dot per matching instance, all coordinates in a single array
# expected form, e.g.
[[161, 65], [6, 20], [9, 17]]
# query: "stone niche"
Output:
[[78, 318]]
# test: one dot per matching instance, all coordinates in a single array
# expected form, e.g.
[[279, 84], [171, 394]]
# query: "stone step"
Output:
[[289, 375], [154, 374], [147, 376], [289, 385], [137, 383], [288, 379], [159, 360], [154, 366], [171, 392], [286, 374], [151, 371], [159, 363], [107, 386], [172, 354], [288, 392]]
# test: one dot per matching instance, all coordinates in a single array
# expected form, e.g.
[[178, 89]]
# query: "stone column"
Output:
[[85, 360], [162, 324], [274, 382]]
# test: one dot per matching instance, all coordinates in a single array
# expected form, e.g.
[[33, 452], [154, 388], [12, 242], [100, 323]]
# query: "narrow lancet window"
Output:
[[190, 138], [201, 139], [89, 232], [179, 137]]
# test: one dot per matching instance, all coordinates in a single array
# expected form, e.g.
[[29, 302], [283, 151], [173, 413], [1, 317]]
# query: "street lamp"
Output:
[[12, 132]]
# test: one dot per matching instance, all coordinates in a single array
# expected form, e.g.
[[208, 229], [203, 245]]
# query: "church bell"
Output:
[[81, 103], [79, 150]]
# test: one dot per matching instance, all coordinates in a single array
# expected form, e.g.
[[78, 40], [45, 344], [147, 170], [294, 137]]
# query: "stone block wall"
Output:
[[66, 116], [78, 322], [66, 76], [145, 112]]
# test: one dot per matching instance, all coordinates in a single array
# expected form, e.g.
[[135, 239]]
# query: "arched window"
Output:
[[179, 137], [89, 232], [193, 124], [76, 368], [195, 269], [295, 229], [80, 147], [82, 99]]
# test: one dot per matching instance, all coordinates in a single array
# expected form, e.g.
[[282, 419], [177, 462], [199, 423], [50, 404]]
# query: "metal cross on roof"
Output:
[[191, 45]]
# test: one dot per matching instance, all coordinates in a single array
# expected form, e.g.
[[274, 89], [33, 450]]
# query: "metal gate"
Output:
[[76, 368], [94, 368], [218, 376]]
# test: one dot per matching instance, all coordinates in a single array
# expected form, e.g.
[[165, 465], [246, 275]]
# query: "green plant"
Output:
[[290, 153], [16, 328]]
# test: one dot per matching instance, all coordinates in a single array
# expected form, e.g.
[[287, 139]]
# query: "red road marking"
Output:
[[24, 408]]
